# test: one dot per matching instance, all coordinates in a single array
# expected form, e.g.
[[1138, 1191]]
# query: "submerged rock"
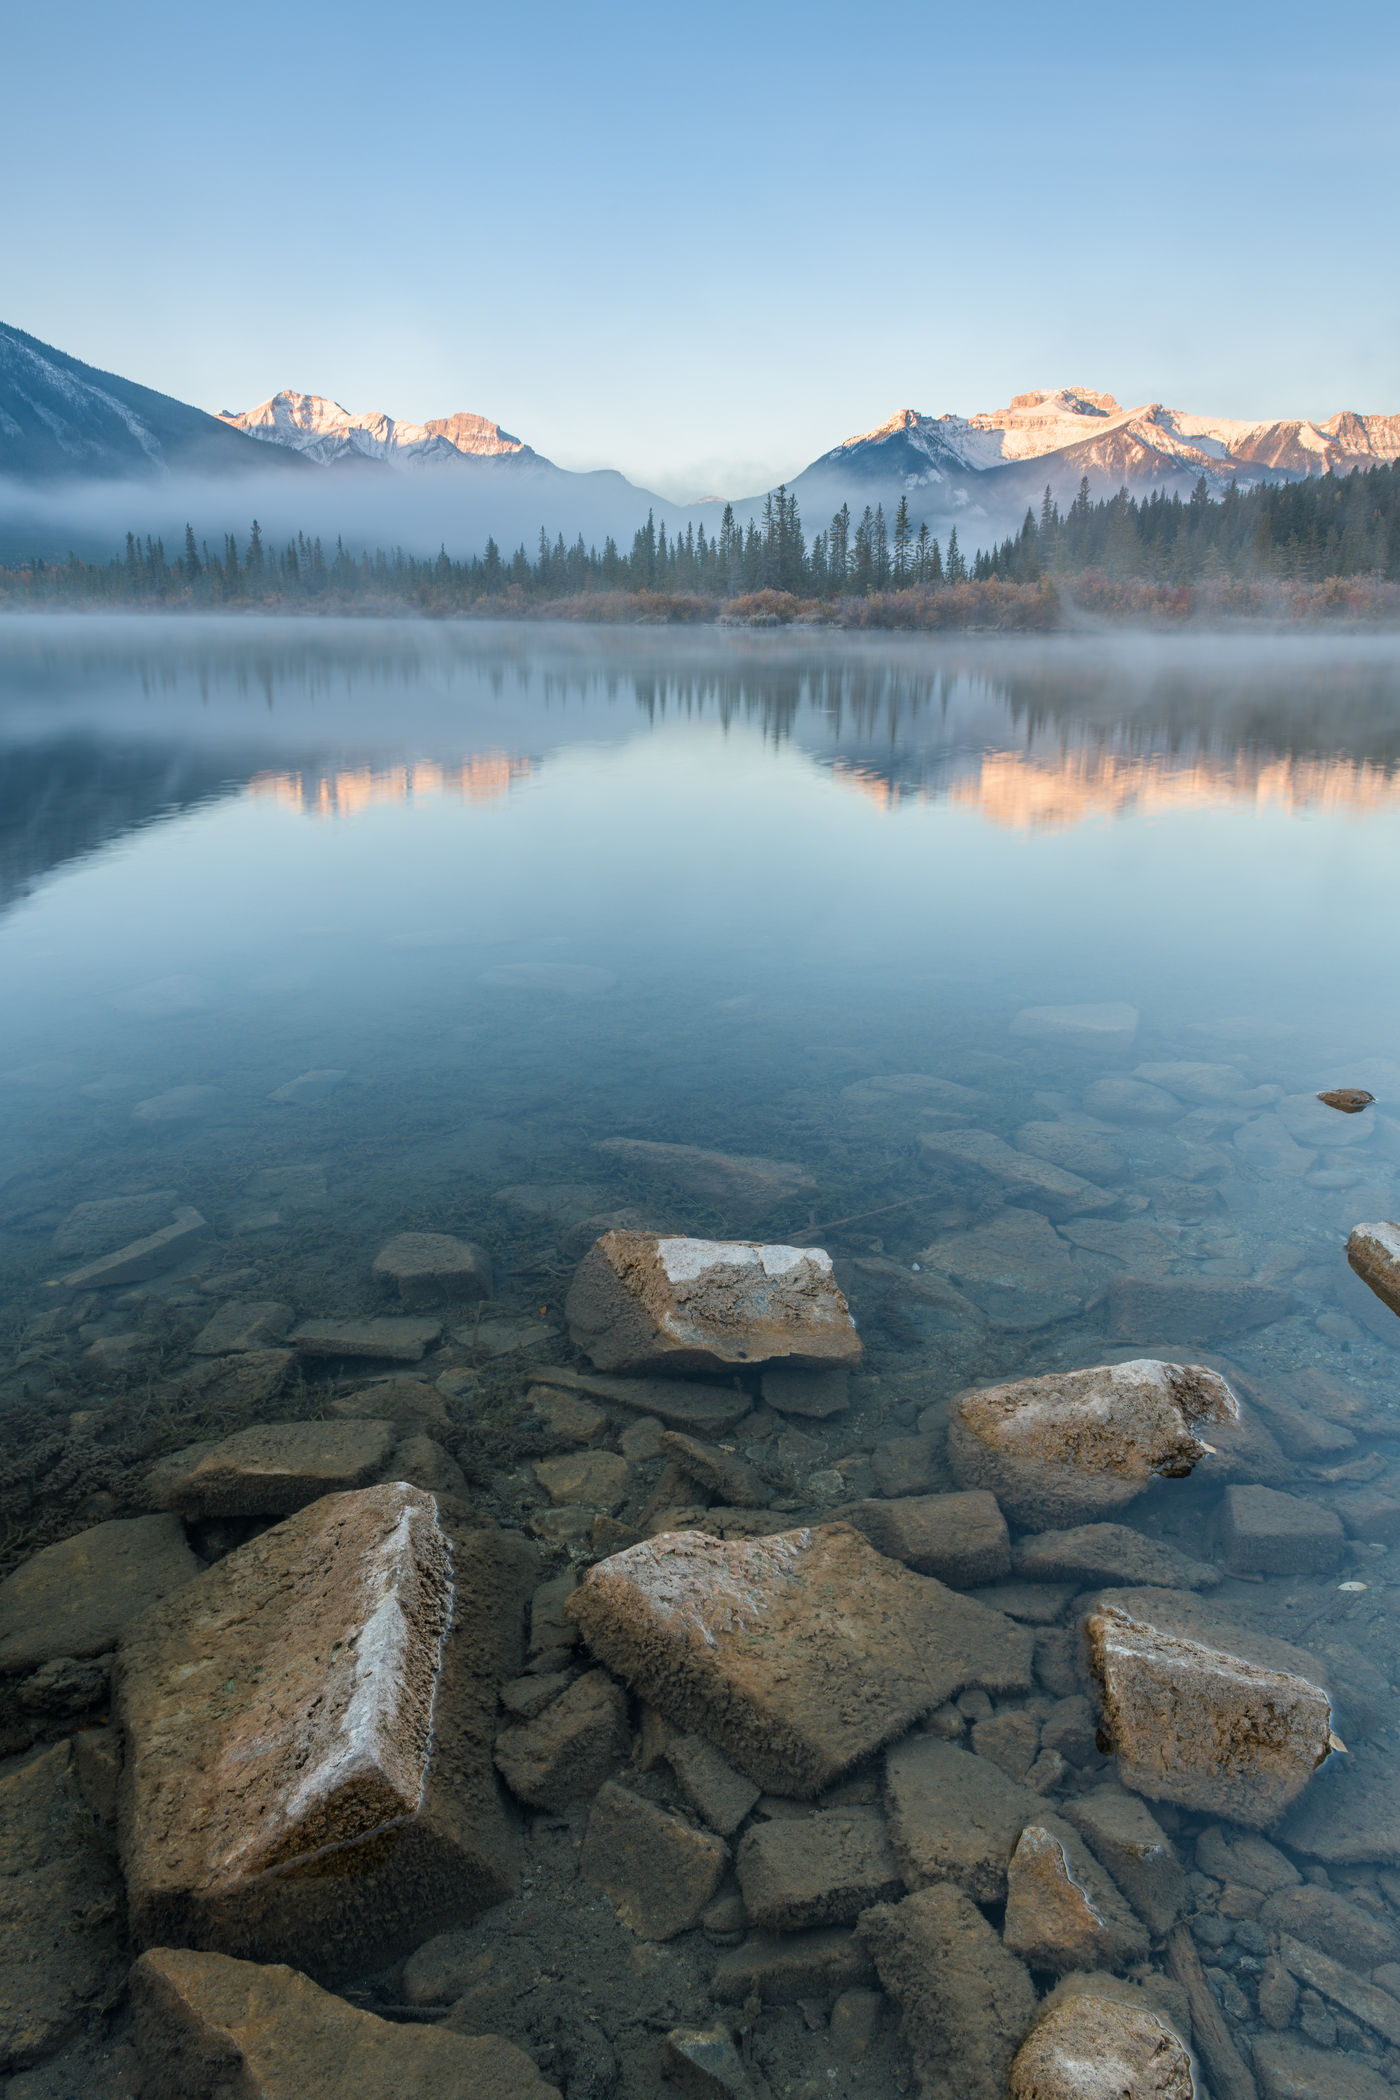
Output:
[[1265, 1533], [780, 1968], [96, 1227], [1033, 1180], [1016, 1270], [430, 1268], [659, 1871], [1289, 2070], [301, 1704], [270, 1470], [965, 2001], [1110, 1553], [1192, 1308], [955, 1817], [1087, 2045], [243, 1325], [74, 1598], [640, 1302], [565, 1752], [206, 2025], [962, 1539], [1203, 1728], [145, 1257], [61, 1943], [708, 1410], [1075, 1445], [1349, 1099], [754, 1185], [823, 1869], [1062, 1910], [1111, 1025], [797, 1390], [396, 1340], [696, 1625], [1125, 1837], [1374, 1253]]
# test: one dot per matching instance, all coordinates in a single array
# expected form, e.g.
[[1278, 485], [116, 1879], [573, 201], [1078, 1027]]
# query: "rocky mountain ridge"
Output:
[[325, 432]]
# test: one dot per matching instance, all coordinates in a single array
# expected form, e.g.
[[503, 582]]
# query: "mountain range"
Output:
[[460, 477]]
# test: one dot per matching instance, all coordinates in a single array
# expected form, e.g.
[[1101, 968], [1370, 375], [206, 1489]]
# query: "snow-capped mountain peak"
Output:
[[325, 432]]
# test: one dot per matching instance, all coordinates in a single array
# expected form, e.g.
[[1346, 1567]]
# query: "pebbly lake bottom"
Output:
[[318, 937]]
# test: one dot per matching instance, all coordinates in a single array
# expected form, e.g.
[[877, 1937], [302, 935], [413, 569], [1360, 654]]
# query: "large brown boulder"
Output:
[[965, 2001], [1090, 2044], [308, 1766], [1203, 1728], [1074, 1446], [1374, 1253], [644, 1302], [797, 1653]]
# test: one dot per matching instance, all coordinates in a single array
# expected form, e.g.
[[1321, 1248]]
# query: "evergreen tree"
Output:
[[903, 544]]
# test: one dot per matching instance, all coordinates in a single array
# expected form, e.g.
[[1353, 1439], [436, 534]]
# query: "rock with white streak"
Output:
[[1205, 1729], [647, 1303], [1374, 1253], [797, 1653], [1062, 1910], [308, 1756], [1074, 1446]]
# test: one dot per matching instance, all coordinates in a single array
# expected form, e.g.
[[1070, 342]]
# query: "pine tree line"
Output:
[[1334, 527]]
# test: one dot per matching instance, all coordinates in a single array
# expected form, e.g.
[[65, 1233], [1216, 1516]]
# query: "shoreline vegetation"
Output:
[[1326, 549]]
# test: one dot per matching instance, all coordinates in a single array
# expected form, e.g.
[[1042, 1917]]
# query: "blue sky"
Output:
[[704, 244]]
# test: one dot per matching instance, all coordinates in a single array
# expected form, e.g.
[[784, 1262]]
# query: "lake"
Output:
[[316, 933]]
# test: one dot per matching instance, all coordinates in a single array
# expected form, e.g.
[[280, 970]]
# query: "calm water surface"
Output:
[[433, 913]]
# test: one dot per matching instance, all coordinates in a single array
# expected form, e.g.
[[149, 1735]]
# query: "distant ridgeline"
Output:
[[1273, 548]]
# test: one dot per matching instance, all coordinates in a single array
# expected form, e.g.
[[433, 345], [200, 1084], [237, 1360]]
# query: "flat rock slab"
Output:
[[1016, 1270], [708, 1410], [207, 2025], [961, 1539], [395, 1340], [1197, 1726], [272, 1469], [1125, 1837], [1110, 1553], [782, 1968], [725, 1179], [297, 1705], [1192, 1308], [1374, 1253], [965, 2000], [955, 1817], [74, 1598], [793, 1390], [823, 1869], [1288, 2069], [1111, 1025], [1072, 1446], [1030, 1179], [411, 1403], [1087, 2046], [642, 1302], [1352, 1817], [431, 1268], [112, 1221], [61, 1944], [796, 1654], [1265, 1533], [710, 1783], [659, 1871], [143, 1258], [242, 1325]]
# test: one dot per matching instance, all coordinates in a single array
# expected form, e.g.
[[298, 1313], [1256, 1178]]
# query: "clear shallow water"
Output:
[[519, 891]]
